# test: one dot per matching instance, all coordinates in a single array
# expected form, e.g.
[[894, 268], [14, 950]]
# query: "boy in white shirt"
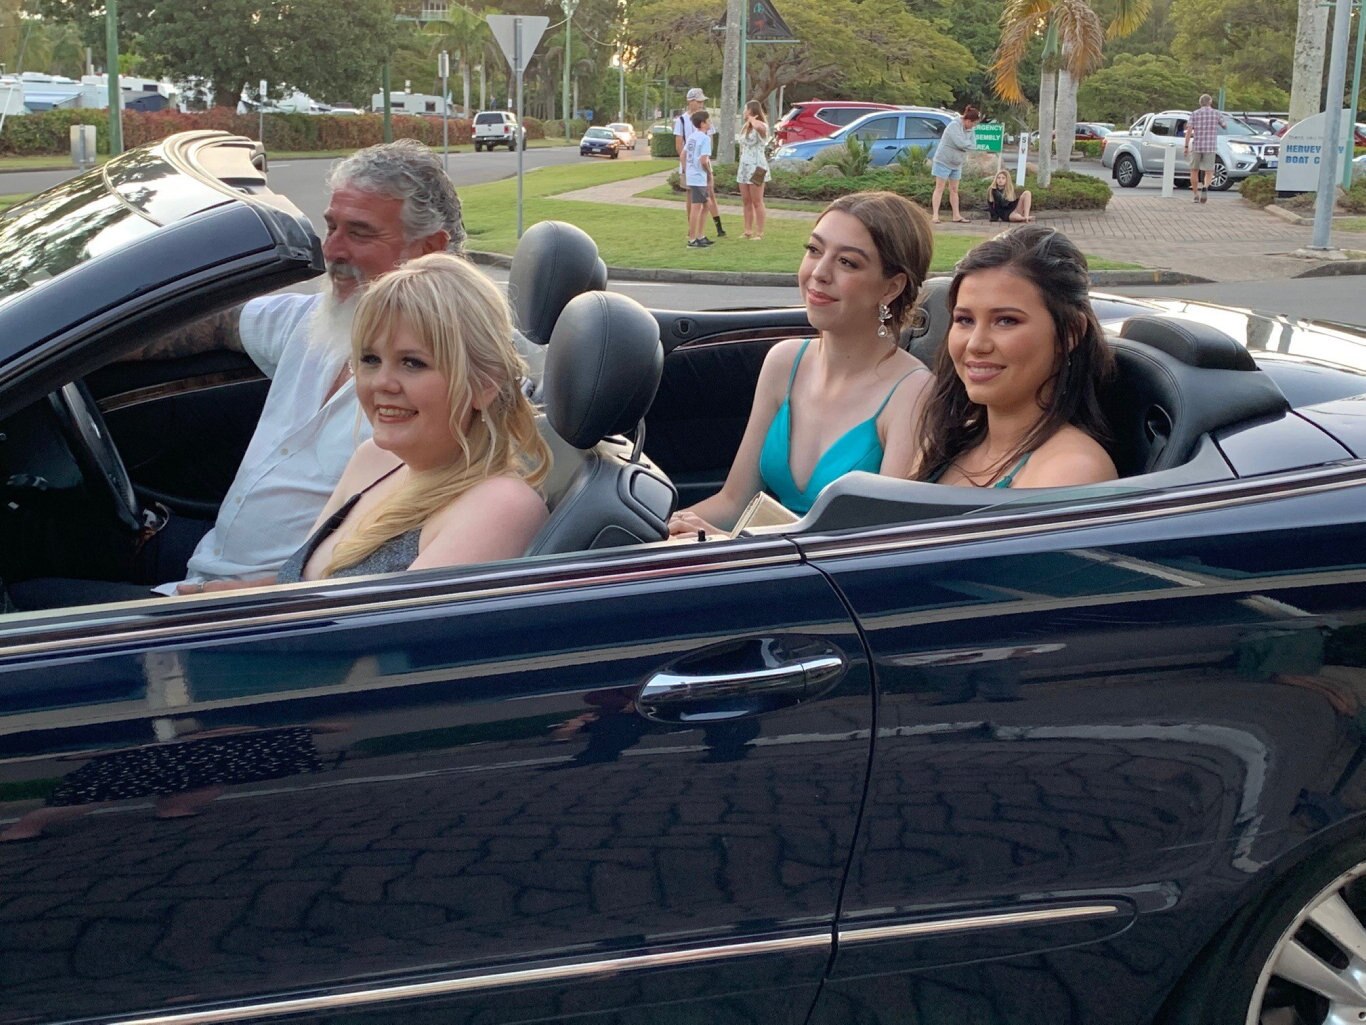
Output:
[[696, 170]]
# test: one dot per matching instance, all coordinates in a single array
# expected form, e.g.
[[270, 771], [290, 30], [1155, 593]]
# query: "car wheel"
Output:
[[1126, 172], [478, 147], [615, 154], [1221, 180], [1294, 956]]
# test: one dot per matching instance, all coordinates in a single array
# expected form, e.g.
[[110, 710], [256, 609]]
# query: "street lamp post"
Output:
[[1356, 90], [111, 73], [568, 6], [443, 68]]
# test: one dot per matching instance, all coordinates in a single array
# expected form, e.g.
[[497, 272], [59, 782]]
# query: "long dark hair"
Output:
[[903, 237], [951, 423]]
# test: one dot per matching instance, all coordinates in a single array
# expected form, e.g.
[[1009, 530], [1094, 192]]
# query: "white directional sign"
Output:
[[1301, 150], [504, 28]]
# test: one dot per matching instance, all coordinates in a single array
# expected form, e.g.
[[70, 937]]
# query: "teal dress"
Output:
[[859, 448], [1004, 482]]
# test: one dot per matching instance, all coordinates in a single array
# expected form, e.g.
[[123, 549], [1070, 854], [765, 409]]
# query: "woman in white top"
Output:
[[752, 138]]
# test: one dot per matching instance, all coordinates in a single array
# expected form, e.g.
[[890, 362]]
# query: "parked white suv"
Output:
[[1139, 151], [497, 128]]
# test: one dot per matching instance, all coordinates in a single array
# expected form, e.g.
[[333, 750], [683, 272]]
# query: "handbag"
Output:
[[757, 178]]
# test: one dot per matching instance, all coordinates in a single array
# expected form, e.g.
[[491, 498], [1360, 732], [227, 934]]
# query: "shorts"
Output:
[[1202, 160], [697, 193], [940, 171]]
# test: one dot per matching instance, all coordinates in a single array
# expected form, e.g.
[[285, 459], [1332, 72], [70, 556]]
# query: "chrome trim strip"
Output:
[[473, 984], [1002, 920], [204, 382], [196, 613], [1016, 520]]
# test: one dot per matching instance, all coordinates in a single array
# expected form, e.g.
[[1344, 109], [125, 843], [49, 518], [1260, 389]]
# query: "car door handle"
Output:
[[742, 678]]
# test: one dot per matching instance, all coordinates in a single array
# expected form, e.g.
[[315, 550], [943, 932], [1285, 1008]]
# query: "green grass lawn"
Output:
[[647, 237], [8, 201], [640, 236], [1350, 223]]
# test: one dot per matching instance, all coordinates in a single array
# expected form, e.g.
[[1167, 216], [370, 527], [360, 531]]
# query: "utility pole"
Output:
[[1332, 122], [568, 6], [443, 68], [111, 73], [730, 75], [388, 111]]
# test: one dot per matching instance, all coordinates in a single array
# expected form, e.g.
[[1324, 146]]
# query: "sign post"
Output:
[[517, 36], [1022, 156], [261, 112], [443, 69]]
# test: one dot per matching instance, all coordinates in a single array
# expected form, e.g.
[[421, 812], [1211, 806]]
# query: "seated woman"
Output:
[[1015, 401], [846, 399], [450, 475], [1004, 205]]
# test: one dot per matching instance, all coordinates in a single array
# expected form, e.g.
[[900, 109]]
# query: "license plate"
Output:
[[1270, 161]]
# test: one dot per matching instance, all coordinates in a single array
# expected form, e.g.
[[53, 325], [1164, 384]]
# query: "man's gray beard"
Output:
[[329, 327]]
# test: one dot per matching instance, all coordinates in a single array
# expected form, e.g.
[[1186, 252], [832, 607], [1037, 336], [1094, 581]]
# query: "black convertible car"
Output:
[[928, 755]]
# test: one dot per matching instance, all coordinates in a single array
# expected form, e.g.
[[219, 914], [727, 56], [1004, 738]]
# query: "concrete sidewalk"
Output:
[[1225, 239]]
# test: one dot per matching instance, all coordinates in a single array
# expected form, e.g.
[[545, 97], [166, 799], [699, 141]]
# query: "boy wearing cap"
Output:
[[683, 130]]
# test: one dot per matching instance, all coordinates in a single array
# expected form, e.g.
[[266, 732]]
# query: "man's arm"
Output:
[[216, 331]]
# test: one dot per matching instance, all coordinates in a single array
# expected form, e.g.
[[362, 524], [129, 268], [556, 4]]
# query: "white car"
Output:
[[497, 128], [626, 133]]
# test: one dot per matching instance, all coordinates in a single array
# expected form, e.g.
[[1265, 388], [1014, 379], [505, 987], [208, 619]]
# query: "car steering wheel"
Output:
[[100, 463]]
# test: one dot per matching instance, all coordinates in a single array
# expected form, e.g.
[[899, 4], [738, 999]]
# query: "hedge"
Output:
[[49, 132], [1068, 191]]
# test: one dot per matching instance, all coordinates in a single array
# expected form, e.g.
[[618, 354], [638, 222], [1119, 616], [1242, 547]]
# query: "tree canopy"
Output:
[[1134, 85]]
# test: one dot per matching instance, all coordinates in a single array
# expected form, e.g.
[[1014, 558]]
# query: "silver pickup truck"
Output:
[[1139, 151]]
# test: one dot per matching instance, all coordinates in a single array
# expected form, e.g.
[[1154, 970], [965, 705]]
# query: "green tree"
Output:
[[1245, 46], [1133, 85]]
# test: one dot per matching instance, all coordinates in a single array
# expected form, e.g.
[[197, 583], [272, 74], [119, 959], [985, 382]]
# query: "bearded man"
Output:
[[387, 204]]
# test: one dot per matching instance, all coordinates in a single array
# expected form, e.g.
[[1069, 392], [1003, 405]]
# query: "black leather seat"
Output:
[[1178, 381], [552, 264], [602, 369], [925, 337]]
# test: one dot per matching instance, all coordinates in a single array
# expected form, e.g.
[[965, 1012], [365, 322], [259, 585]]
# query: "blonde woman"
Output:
[[1003, 203], [752, 174], [450, 475]]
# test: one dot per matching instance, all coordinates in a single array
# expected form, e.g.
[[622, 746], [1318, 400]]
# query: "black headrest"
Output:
[[602, 368], [553, 263], [1193, 343]]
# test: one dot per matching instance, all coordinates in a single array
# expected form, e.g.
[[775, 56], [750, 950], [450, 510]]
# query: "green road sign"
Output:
[[989, 137]]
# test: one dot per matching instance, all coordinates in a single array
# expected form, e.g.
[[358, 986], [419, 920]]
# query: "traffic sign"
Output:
[[504, 28], [988, 137]]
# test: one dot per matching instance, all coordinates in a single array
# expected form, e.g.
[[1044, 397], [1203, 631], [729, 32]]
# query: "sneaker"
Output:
[[1204, 195], [698, 243], [720, 232], [704, 242], [1195, 197]]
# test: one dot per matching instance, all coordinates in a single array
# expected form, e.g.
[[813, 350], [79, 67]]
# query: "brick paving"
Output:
[[1223, 240]]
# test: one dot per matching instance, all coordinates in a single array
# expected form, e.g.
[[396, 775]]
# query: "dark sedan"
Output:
[[600, 142], [928, 754]]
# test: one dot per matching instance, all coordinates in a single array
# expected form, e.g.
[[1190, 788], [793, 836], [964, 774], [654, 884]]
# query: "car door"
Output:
[[882, 135], [1093, 730], [922, 133], [622, 786], [1161, 136]]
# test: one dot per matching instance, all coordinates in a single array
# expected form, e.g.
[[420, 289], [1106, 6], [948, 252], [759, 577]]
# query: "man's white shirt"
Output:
[[297, 453]]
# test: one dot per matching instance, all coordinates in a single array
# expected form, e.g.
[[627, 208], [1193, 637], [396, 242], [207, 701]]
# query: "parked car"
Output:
[[1089, 131], [599, 142], [660, 126], [1067, 755], [816, 119], [1140, 151], [887, 133], [498, 128], [626, 133], [1358, 132]]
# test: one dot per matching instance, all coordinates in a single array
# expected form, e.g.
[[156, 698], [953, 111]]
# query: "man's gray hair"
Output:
[[406, 170], [1206, 99]]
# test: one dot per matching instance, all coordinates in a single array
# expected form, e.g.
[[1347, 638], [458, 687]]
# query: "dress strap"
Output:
[[888, 399], [792, 378], [1009, 478], [380, 480]]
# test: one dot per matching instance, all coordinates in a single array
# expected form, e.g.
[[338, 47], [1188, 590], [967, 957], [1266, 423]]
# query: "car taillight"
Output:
[[507, 129]]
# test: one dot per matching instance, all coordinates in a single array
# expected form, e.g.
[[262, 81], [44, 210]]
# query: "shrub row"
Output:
[[1261, 190], [49, 132], [1068, 191]]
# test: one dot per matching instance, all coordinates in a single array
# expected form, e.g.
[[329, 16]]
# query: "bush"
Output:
[[854, 157], [662, 145], [1259, 189], [1089, 148], [1354, 202], [913, 162]]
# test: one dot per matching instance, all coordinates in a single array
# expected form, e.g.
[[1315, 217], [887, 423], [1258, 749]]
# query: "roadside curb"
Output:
[[778, 279], [1336, 269]]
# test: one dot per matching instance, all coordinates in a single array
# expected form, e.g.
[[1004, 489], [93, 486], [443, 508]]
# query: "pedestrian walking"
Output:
[[683, 129], [1202, 142], [949, 157], [752, 174], [697, 178]]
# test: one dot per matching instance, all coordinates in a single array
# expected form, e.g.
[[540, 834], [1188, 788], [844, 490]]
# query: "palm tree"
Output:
[[1073, 39], [465, 35]]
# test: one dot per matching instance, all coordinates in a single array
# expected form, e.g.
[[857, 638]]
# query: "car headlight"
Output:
[[1242, 149]]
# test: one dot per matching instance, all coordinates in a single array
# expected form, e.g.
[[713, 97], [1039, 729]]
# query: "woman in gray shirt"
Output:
[[949, 156]]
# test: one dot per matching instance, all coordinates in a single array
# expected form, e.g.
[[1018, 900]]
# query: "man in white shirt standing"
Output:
[[683, 131]]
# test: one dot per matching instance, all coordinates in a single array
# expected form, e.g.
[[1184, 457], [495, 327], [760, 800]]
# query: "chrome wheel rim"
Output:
[[1316, 972], [1126, 172], [1219, 177]]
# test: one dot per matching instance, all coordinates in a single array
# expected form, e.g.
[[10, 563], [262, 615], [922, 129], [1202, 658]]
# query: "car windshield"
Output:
[[598, 133], [620, 128], [1236, 127]]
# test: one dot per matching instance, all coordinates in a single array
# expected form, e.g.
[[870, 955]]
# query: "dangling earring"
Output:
[[884, 314]]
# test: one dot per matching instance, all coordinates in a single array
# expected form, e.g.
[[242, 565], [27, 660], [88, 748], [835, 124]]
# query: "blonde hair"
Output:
[[1009, 190], [461, 315]]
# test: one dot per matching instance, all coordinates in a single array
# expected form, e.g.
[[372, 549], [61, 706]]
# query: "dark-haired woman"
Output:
[[847, 398], [1015, 401]]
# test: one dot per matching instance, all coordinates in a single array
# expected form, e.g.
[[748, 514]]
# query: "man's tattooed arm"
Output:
[[216, 331]]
